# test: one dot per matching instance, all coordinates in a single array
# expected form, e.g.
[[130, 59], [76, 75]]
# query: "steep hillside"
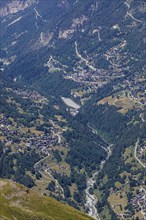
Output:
[[19, 202], [72, 36]]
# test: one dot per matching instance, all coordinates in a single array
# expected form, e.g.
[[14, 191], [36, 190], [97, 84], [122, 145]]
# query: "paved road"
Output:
[[47, 171], [142, 118], [83, 59], [130, 14], [135, 152]]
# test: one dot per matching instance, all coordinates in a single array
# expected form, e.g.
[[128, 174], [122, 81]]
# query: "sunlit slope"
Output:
[[18, 202]]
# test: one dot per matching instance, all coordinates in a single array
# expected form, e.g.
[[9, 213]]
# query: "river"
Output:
[[91, 200]]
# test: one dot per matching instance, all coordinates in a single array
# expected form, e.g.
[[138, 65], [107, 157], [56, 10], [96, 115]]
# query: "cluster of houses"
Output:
[[115, 57], [22, 138], [3, 120], [126, 215], [139, 202], [5, 126], [141, 154], [33, 95], [42, 142], [92, 80], [26, 139]]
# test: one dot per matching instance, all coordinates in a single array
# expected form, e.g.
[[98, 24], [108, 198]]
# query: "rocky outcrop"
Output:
[[12, 7]]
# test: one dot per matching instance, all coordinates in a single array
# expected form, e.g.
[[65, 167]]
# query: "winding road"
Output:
[[142, 117], [130, 14], [83, 59], [36, 167]]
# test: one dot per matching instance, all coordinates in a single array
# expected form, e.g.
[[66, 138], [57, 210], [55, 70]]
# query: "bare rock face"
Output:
[[13, 6]]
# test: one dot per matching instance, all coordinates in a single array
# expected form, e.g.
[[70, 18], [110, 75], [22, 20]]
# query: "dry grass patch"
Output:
[[118, 185], [124, 173], [120, 101], [118, 202], [80, 93], [2, 138], [42, 184], [34, 131], [128, 155], [73, 188], [139, 214], [60, 118]]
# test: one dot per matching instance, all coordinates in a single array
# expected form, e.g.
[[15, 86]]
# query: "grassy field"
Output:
[[120, 101], [20, 203], [118, 201], [60, 118]]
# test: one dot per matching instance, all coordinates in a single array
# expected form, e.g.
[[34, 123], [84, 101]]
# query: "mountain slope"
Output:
[[73, 102], [103, 33], [19, 202]]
